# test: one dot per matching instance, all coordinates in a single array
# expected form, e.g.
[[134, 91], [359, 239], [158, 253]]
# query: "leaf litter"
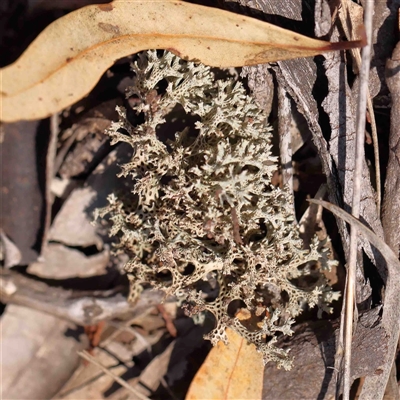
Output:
[[144, 339], [91, 39]]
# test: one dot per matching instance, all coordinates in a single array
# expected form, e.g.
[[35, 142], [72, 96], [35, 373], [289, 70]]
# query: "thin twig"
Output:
[[80, 307], [357, 57], [88, 357], [376, 153], [359, 157]]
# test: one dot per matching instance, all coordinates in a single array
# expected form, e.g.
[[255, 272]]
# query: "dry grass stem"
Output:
[[357, 58], [359, 157], [374, 385], [88, 357]]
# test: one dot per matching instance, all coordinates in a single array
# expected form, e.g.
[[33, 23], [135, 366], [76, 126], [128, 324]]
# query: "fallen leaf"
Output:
[[232, 371], [73, 223], [61, 262], [87, 140], [152, 375], [35, 339], [67, 59], [10, 252]]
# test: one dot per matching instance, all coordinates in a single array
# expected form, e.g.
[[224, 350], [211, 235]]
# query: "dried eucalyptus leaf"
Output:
[[67, 59]]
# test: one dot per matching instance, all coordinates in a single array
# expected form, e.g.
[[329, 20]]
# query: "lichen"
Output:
[[203, 209]]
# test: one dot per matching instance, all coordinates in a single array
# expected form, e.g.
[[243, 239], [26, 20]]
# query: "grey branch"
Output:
[[82, 308]]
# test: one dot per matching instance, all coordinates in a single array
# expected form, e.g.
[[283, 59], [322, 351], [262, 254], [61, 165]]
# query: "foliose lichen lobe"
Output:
[[203, 208]]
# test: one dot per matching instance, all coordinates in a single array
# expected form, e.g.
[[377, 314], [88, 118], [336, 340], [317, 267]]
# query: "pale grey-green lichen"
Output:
[[203, 209]]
